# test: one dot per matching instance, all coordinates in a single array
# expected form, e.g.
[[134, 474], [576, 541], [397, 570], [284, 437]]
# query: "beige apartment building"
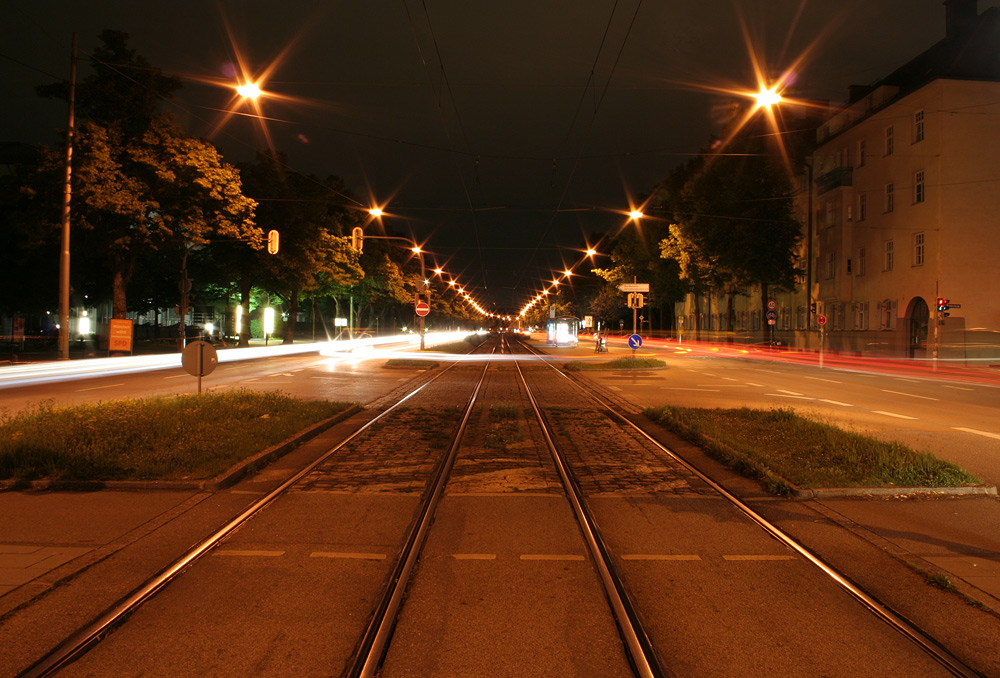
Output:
[[906, 181], [900, 205]]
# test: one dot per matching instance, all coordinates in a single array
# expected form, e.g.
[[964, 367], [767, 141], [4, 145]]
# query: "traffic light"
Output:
[[272, 242], [357, 239], [942, 307], [812, 307]]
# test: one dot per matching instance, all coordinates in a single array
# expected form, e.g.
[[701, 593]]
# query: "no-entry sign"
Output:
[[422, 308]]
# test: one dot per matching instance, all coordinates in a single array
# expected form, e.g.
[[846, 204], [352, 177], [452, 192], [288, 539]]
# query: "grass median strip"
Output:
[[779, 447], [627, 363], [169, 438]]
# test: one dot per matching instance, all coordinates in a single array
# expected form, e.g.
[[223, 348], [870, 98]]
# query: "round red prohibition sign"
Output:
[[422, 308]]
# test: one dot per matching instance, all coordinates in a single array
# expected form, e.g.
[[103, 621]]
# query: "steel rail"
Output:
[[896, 621], [374, 642], [85, 638], [639, 647]]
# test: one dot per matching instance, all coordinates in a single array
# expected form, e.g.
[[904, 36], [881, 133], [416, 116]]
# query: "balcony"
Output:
[[835, 178]]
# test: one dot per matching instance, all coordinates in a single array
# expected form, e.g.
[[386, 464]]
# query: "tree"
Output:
[[734, 221], [314, 253]]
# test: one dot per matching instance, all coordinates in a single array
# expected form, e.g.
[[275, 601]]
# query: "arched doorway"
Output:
[[917, 321]]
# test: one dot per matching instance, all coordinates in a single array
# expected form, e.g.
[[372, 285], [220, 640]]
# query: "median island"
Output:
[[167, 438], [790, 453]]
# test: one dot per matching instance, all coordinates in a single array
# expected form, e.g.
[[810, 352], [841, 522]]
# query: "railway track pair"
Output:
[[593, 450]]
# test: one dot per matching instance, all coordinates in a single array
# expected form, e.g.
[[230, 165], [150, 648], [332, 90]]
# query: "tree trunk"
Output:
[[244, 328], [731, 316], [293, 314], [697, 316], [185, 288]]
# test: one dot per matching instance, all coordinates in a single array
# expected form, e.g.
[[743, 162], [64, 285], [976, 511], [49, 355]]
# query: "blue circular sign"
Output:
[[634, 341]]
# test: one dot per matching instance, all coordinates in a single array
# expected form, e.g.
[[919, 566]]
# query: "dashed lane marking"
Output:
[[957, 388], [97, 388], [831, 381], [547, 556], [722, 385], [761, 557], [835, 402], [978, 433], [235, 552], [654, 556], [788, 395], [177, 376], [792, 393], [750, 383], [911, 395], [891, 414], [348, 556]]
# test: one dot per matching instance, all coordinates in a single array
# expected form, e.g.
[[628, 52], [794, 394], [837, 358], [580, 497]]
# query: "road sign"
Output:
[[634, 341], [821, 320], [953, 305], [771, 304], [199, 359], [634, 287], [771, 316], [770, 321], [422, 308]]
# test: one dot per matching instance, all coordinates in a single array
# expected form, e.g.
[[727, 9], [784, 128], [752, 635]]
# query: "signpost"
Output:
[[199, 359], [821, 321], [634, 287]]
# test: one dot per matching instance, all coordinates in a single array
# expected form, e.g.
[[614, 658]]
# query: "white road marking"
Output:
[[177, 376], [679, 388], [266, 554], [912, 395], [911, 381], [750, 383], [474, 556], [890, 414], [794, 393], [97, 388], [978, 433], [831, 381], [653, 556], [758, 557], [730, 379], [835, 402], [722, 385], [786, 395], [957, 388], [349, 556], [543, 556], [615, 388]]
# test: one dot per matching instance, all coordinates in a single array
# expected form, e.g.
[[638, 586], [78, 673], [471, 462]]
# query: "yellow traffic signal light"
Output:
[[272, 242]]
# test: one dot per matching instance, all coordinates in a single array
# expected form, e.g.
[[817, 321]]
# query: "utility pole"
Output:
[[67, 193]]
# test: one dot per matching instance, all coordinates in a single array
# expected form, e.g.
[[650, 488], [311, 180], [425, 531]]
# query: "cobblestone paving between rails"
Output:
[[503, 449], [398, 454], [607, 458]]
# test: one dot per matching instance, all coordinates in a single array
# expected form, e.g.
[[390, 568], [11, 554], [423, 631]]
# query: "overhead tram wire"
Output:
[[444, 123], [590, 125]]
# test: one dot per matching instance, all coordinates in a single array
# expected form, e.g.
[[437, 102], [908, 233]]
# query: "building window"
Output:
[[861, 315], [888, 140], [918, 249], [850, 212], [831, 266], [861, 261], [862, 207], [918, 126], [887, 249], [861, 153], [889, 199], [918, 186], [885, 309]]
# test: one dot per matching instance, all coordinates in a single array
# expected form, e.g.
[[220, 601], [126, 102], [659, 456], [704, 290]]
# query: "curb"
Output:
[[223, 480], [894, 492]]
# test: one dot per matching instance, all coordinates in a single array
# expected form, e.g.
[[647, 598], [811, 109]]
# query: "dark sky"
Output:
[[477, 119]]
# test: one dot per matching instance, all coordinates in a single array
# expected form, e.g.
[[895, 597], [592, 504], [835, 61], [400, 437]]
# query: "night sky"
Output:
[[499, 132]]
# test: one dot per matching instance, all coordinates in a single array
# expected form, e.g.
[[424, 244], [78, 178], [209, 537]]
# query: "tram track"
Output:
[[453, 437]]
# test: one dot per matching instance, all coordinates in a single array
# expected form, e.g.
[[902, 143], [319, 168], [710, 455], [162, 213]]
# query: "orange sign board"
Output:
[[120, 335]]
